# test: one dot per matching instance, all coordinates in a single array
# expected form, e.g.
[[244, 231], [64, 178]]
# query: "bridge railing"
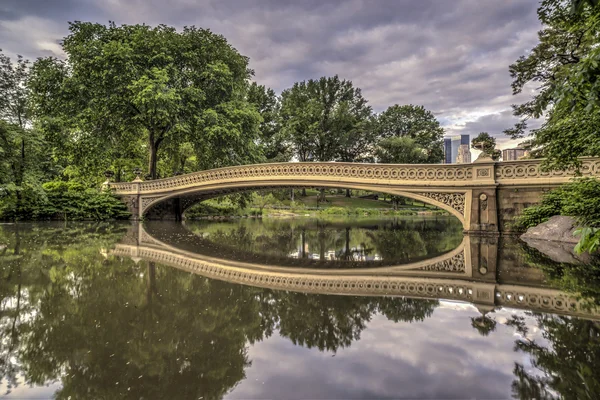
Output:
[[512, 172]]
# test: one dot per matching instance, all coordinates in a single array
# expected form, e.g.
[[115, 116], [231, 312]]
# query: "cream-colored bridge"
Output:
[[484, 196], [476, 271]]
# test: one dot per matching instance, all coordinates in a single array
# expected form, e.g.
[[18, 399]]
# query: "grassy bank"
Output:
[[338, 205]]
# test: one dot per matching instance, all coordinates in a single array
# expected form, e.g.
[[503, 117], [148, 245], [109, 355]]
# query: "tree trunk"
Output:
[[152, 160], [348, 193], [303, 192], [347, 243], [322, 194], [20, 176]]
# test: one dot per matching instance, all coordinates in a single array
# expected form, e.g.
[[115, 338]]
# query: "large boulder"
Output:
[[557, 229], [555, 239]]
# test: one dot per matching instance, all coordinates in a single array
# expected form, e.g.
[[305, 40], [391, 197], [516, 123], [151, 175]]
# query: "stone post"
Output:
[[484, 208]]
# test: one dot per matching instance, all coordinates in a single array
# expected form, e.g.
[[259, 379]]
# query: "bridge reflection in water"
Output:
[[484, 271]]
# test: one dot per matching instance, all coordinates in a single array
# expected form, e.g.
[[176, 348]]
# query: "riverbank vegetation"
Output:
[[565, 65]]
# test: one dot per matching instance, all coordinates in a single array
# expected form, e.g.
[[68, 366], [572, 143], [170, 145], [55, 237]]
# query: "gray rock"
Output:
[[557, 229], [562, 252]]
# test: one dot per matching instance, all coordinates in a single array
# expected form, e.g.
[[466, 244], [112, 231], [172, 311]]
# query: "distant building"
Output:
[[514, 154], [464, 154], [457, 149]]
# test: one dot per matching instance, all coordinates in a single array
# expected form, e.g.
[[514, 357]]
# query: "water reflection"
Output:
[[381, 242], [78, 314]]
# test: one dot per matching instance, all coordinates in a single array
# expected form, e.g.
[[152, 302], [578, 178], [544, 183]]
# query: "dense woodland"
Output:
[[175, 102]]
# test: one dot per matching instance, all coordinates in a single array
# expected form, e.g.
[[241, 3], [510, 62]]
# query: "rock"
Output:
[[562, 252], [557, 229]]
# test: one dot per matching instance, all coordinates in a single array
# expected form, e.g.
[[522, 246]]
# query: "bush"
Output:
[[335, 211], [65, 200], [579, 199], [212, 207]]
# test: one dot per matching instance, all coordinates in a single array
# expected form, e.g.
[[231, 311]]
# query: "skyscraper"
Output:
[[457, 149]]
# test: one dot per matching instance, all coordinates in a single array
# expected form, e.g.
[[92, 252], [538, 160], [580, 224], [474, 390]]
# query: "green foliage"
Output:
[[487, 145], [326, 119], [261, 200], [68, 201], [580, 199], [590, 240], [416, 123], [124, 87], [212, 207], [272, 141], [565, 67], [400, 150]]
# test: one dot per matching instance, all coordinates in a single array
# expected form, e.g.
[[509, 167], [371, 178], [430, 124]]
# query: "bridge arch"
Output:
[[451, 202], [485, 195]]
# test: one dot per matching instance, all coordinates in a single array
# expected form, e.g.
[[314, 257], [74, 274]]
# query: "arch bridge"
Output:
[[485, 195]]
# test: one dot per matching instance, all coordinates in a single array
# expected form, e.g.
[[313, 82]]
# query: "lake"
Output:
[[404, 307]]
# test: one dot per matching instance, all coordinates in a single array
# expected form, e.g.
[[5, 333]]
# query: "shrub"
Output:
[[335, 211], [66, 200], [579, 199]]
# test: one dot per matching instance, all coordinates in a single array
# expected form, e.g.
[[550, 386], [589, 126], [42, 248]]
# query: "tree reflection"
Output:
[[569, 363], [109, 328], [396, 240], [582, 279]]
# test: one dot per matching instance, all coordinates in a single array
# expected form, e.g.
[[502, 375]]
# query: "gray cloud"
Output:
[[451, 57]]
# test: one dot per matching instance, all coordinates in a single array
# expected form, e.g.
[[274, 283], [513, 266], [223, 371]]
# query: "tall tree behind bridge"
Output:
[[322, 118], [149, 86], [565, 69], [268, 104], [416, 123]]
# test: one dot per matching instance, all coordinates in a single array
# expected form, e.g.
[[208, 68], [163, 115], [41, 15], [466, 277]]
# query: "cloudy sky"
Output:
[[451, 56]]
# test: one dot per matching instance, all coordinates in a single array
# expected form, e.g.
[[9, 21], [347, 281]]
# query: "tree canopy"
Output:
[[564, 66], [416, 123], [147, 86], [326, 120]]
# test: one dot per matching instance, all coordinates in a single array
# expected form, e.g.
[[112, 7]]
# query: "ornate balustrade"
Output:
[[478, 194]]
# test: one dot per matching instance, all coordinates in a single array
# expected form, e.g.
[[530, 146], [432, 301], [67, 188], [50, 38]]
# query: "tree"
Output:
[[416, 123], [326, 120], [400, 150], [487, 144], [21, 148], [319, 115], [13, 90], [152, 85], [262, 201], [268, 104], [564, 66]]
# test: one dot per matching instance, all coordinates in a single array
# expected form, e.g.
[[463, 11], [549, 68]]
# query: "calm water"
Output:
[[251, 309]]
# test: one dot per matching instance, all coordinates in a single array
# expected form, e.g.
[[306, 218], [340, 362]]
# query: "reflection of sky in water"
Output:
[[442, 357]]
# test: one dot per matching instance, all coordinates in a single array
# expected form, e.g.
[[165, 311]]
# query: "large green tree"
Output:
[[565, 68], [323, 118], [24, 157], [416, 123], [146, 86]]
